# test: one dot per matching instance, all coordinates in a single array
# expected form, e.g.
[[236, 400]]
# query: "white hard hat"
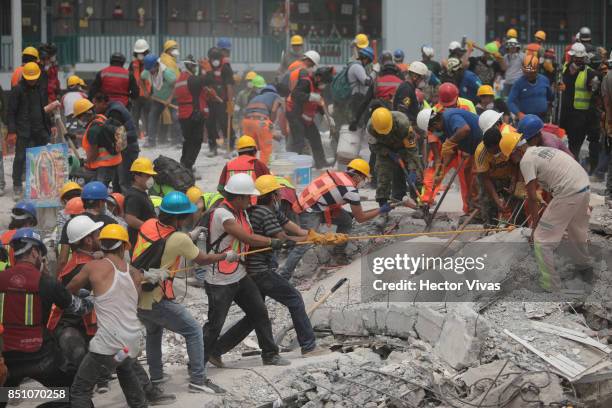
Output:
[[578, 50], [512, 41], [453, 64], [141, 45], [454, 45], [418, 68], [423, 119], [81, 226], [313, 56], [488, 118], [241, 184], [427, 50], [610, 57]]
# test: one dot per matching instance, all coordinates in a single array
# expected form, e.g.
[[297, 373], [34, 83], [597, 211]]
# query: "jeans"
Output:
[[247, 297], [193, 133], [300, 132], [22, 144], [96, 365], [174, 317], [140, 111], [581, 125], [106, 174], [218, 119], [273, 285], [154, 121], [342, 219], [73, 344], [123, 178]]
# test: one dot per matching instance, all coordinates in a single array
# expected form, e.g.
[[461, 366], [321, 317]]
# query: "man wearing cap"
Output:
[[27, 120], [487, 66], [23, 215], [291, 55], [259, 117], [115, 81], [531, 93], [513, 59], [532, 129], [162, 81], [487, 100], [138, 206], [74, 92], [246, 162]]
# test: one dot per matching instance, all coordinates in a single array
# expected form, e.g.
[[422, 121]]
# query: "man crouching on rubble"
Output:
[[562, 176]]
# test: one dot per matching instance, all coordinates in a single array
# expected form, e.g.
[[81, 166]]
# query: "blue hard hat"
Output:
[[367, 52], [94, 190], [530, 126], [177, 202], [224, 42], [269, 88], [149, 61], [24, 209], [28, 234], [398, 54]]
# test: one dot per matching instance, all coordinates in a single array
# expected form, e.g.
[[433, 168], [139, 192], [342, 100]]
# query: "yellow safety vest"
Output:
[[582, 95]]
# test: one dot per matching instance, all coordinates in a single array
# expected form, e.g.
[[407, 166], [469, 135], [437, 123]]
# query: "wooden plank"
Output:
[[571, 335], [579, 368]]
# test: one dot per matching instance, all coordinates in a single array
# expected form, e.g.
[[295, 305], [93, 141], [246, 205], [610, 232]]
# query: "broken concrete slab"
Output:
[[429, 324]]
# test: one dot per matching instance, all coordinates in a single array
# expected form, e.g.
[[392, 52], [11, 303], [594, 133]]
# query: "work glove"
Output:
[[276, 244], [448, 148], [385, 208], [231, 256], [229, 107], [314, 97], [315, 237], [341, 238], [353, 126], [288, 244], [156, 275], [195, 233]]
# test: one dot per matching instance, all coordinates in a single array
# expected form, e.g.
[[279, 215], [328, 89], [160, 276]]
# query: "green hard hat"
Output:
[[492, 47], [258, 82]]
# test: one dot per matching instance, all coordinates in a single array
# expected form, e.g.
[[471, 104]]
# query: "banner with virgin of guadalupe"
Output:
[[47, 170]]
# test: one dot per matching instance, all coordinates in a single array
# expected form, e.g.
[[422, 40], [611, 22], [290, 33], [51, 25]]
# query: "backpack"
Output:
[[113, 136], [172, 173], [340, 86], [151, 258], [205, 222]]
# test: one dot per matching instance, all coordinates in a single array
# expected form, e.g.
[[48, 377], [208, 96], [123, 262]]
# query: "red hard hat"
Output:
[[119, 199], [448, 94], [74, 206]]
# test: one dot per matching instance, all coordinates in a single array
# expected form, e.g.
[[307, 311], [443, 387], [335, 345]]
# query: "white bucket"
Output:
[[349, 144], [284, 155], [302, 174], [283, 168]]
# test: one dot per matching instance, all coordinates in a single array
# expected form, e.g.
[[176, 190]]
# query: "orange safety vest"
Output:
[[144, 86], [5, 238], [402, 66], [223, 266], [295, 75], [115, 83], [323, 184], [386, 86], [21, 308], [184, 98], [152, 231], [533, 49], [241, 164], [16, 76], [105, 158], [309, 109], [89, 319]]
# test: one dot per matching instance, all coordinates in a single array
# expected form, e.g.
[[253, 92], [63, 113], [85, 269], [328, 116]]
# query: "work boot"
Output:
[[315, 351], [206, 386], [102, 387], [217, 361], [164, 379], [196, 174], [276, 360], [17, 193], [155, 396]]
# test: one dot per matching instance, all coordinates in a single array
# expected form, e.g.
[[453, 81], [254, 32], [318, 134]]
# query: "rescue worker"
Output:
[[488, 101], [549, 67], [23, 215], [531, 93], [386, 85], [115, 204], [116, 82], [405, 100], [513, 58], [169, 56], [246, 162], [398, 59], [28, 291], [456, 51], [100, 148], [322, 201], [487, 66], [303, 104], [536, 47], [245, 95], [259, 117], [230, 232], [140, 104], [29, 54], [309, 62], [427, 55], [50, 68], [586, 40], [568, 182], [360, 82], [138, 205], [294, 54], [116, 111], [578, 113], [162, 81], [69, 190], [532, 129], [261, 268], [467, 81], [27, 121], [73, 93], [157, 308]]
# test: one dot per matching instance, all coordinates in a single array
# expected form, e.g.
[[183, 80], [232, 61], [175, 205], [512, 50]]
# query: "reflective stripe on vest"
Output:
[[115, 83], [235, 245], [241, 164], [318, 188], [257, 107], [582, 95], [184, 98], [137, 68], [386, 86], [104, 158], [6, 240]]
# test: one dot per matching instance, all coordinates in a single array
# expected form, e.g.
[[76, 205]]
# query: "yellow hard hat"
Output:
[[69, 186], [361, 166], [81, 106], [250, 75], [382, 121], [116, 232], [485, 90], [31, 51], [31, 71], [74, 80], [508, 143], [297, 40], [267, 183], [540, 35], [512, 33], [194, 194], [170, 44], [245, 142], [143, 165], [361, 40]]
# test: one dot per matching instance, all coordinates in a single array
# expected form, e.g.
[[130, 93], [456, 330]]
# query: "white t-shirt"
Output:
[[213, 276], [556, 171]]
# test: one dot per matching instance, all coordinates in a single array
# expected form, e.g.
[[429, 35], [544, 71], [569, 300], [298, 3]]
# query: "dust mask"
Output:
[[215, 63], [175, 53], [140, 57], [150, 183]]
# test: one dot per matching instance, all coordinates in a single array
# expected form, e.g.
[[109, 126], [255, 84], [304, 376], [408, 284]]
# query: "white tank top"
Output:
[[118, 324]]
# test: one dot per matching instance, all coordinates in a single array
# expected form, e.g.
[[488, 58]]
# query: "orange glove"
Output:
[[229, 107], [448, 148], [315, 237]]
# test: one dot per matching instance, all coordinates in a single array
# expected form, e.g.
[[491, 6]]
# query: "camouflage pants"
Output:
[[391, 180]]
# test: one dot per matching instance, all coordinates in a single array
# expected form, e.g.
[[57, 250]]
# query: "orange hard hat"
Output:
[[119, 199], [74, 206]]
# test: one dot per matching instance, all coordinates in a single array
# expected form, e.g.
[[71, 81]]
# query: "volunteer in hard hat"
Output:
[[360, 41], [489, 65], [140, 104], [304, 102], [261, 268], [448, 97], [537, 47], [231, 232], [170, 56], [532, 129], [115, 81], [246, 162], [115, 204], [157, 308], [28, 290], [297, 70], [252, 89], [102, 152], [513, 59], [586, 40], [73, 93], [309, 61], [322, 201], [398, 59], [404, 99], [29, 54], [511, 33], [394, 140], [162, 79], [27, 121], [50, 68], [579, 116], [138, 205], [68, 191], [260, 115], [466, 80], [567, 212], [23, 215], [488, 101], [292, 54], [427, 58], [531, 93], [549, 66], [458, 52]]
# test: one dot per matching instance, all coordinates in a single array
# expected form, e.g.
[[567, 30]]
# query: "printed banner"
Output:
[[47, 170]]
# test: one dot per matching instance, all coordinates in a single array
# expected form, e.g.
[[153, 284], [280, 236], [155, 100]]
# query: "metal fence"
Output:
[[6, 53], [99, 48]]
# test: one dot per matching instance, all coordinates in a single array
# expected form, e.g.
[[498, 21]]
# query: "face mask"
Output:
[[249, 85], [150, 183], [216, 63], [489, 62], [140, 57], [175, 53]]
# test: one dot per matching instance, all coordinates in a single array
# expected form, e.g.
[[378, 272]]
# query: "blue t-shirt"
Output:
[[454, 119], [530, 98], [469, 86]]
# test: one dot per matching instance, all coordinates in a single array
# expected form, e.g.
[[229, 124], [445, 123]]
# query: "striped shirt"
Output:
[[337, 196], [267, 222]]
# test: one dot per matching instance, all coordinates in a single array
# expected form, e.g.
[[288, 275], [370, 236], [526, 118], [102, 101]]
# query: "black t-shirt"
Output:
[[102, 217], [139, 205]]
